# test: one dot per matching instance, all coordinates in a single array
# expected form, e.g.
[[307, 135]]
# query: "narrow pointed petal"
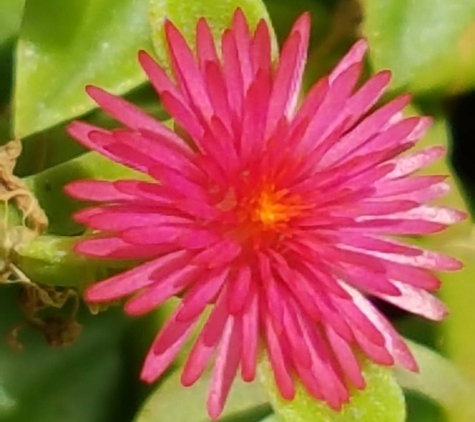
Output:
[[165, 348], [289, 73], [206, 343], [225, 368]]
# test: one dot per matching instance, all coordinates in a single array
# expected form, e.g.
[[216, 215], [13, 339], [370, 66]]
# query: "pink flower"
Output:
[[277, 215]]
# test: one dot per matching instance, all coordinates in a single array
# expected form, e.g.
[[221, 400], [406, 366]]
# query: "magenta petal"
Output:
[[206, 343], [123, 111], [116, 248], [394, 343], [323, 369], [124, 283], [240, 31], [123, 217], [250, 337], [225, 367], [171, 283], [289, 73], [346, 358], [417, 301], [354, 55], [165, 348], [97, 190], [413, 162], [186, 70], [202, 294], [261, 48], [367, 96], [279, 363]]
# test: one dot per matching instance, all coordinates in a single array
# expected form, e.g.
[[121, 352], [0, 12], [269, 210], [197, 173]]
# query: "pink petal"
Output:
[[232, 73], [358, 320], [250, 337], [124, 112], [165, 285], [418, 302], [254, 117], [81, 130], [165, 348], [97, 190], [288, 78], [413, 162], [394, 343], [206, 343], [225, 367], [406, 185], [240, 286], [339, 92], [333, 390], [366, 129], [202, 294], [366, 280], [354, 55], [116, 248], [261, 48], [442, 215], [216, 86], [186, 71], [365, 98], [240, 30], [378, 354], [346, 358], [300, 353], [129, 281], [423, 259], [222, 253], [122, 217], [206, 50], [279, 362]]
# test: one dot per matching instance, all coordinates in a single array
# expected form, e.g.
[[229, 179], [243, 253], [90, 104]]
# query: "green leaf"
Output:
[[50, 260], [440, 380], [185, 14], [173, 402], [65, 45], [382, 400], [270, 418], [427, 44], [48, 187], [10, 18]]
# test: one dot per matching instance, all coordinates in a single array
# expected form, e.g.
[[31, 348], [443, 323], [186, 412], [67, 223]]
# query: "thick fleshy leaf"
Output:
[[440, 380], [48, 187], [458, 292], [270, 418], [185, 14], [381, 400], [10, 18], [429, 45], [65, 45], [173, 402], [50, 260]]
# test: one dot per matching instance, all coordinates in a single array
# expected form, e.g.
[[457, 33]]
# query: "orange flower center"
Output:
[[263, 213], [272, 208], [269, 209]]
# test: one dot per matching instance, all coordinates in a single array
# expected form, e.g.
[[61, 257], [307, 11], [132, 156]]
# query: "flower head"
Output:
[[279, 216]]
